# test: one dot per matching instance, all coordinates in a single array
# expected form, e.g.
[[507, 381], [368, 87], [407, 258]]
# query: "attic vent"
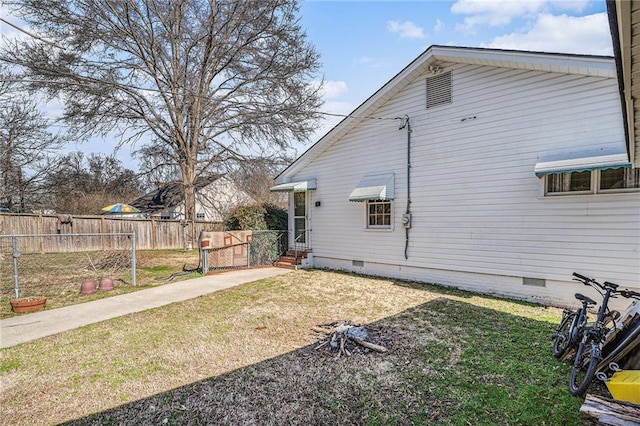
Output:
[[439, 90]]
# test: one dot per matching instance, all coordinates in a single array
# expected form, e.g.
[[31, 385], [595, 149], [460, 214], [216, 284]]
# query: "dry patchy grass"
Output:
[[246, 356], [58, 276]]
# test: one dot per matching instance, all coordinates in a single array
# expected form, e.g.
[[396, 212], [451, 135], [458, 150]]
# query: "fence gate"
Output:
[[241, 249]]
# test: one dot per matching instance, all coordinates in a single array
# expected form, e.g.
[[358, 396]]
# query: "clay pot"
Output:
[[28, 304], [106, 284], [88, 287]]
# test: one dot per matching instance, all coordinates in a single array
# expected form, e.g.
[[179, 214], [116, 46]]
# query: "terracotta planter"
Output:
[[106, 284], [28, 304], [88, 287]]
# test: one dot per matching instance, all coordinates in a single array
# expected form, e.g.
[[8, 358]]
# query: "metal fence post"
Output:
[[248, 255], [133, 258], [205, 261], [15, 254]]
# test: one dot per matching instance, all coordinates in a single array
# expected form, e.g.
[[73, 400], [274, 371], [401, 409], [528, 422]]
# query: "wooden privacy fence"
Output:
[[150, 233]]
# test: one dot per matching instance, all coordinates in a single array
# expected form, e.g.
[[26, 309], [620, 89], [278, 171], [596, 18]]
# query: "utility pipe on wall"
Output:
[[406, 218]]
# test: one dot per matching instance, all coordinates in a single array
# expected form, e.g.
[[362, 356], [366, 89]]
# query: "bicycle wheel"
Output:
[[584, 367], [562, 337]]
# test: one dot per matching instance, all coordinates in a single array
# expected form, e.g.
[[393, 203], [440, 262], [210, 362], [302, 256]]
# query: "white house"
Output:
[[490, 170], [215, 197]]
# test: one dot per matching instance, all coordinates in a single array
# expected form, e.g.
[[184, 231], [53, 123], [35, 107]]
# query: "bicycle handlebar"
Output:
[[585, 280], [630, 294], [591, 282], [612, 286]]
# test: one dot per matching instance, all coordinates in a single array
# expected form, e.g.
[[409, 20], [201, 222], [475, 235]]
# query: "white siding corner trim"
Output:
[[374, 187]]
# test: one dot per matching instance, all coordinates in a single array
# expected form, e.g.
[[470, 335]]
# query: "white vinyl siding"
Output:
[[476, 205]]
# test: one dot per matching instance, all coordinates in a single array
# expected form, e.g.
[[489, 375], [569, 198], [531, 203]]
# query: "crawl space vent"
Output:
[[536, 282], [358, 263]]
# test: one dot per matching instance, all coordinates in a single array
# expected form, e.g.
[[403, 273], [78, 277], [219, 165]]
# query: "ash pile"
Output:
[[344, 338]]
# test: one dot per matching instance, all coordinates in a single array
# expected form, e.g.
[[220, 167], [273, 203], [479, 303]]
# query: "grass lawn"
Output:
[[247, 355]]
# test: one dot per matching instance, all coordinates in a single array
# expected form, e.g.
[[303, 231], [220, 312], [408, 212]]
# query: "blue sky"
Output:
[[363, 44]]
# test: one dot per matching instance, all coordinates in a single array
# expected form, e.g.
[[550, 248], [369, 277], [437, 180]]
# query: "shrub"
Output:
[[277, 218], [256, 217]]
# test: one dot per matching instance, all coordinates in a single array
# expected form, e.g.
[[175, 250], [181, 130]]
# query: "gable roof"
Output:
[[169, 195], [438, 56]]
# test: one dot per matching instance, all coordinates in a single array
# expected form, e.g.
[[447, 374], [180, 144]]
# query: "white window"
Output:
[[619, 180], [575, 182], [166, 215], [379, 214], [596, 182]]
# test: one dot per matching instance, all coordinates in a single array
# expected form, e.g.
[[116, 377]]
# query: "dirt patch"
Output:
[[174, 258]]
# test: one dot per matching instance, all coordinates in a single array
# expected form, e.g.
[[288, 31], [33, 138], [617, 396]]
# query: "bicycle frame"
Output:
[[589, 351], [567, 339]]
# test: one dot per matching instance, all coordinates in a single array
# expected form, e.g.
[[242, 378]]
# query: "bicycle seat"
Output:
[[585, 299]]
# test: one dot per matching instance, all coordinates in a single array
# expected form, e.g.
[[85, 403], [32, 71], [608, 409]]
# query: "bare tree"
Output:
[[27, 152], [205, 80], [84, 184], [256, 177]]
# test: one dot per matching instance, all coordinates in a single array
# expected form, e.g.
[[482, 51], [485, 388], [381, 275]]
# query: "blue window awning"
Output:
[[581, 163], [374, 187], [303, 185]]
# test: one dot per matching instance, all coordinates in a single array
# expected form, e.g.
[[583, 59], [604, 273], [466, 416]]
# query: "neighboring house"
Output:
[[624, 18], [496, 171], [215, 197]]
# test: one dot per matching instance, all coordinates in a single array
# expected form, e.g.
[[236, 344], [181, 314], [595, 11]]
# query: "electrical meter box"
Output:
[[406, 220]]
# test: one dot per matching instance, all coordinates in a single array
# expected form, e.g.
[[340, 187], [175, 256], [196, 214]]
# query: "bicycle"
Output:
[[567, 335], [621, 344], [588, 355]]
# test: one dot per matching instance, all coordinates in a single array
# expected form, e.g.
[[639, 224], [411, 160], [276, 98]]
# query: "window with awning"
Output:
[[578, 163], [374, 187], [587, 173]]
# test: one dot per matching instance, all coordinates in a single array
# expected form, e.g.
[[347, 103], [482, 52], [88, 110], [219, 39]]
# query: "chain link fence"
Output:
[[55, 264], [245, 249]]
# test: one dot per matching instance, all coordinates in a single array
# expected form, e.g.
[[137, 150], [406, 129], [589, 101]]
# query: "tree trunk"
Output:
[[189, 187]]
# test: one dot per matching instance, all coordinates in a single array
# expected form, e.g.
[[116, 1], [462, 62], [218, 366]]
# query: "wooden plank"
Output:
[[609, 412]]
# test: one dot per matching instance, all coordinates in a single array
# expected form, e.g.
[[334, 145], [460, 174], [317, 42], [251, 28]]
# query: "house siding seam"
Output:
[[476, 205]]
